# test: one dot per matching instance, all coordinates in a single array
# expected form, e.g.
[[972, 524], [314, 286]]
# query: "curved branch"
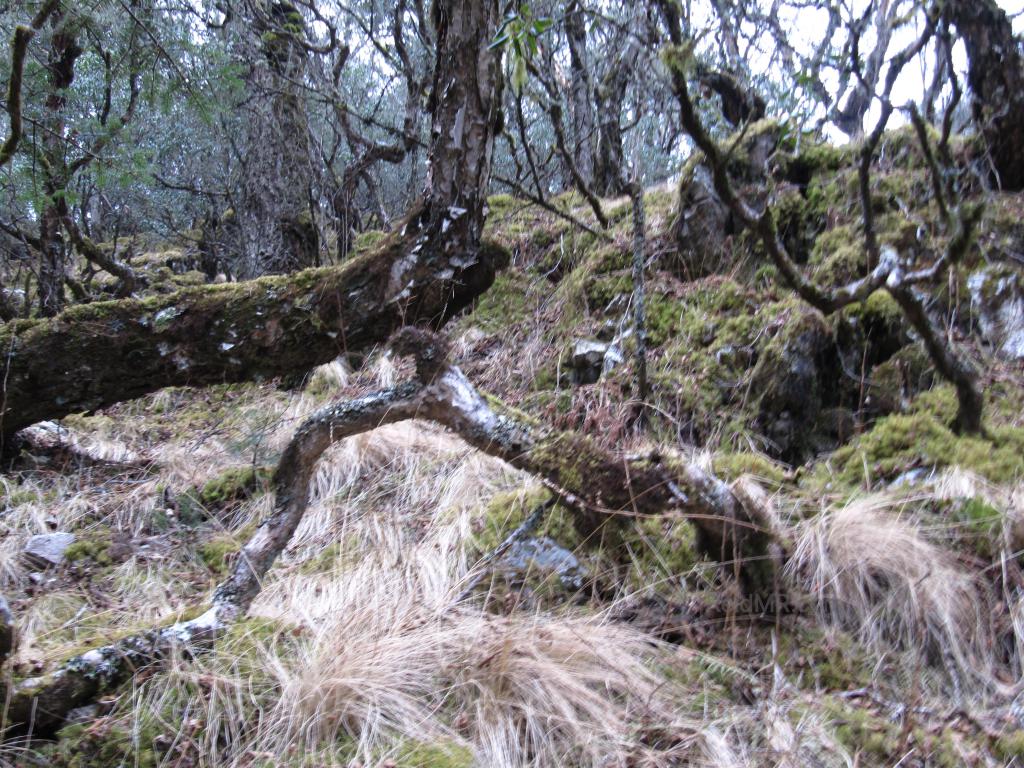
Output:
[[598, 487], [19, 47]]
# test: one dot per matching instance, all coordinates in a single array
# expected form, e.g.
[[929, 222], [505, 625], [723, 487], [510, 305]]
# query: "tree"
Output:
[[272, 222], [427, 271], [888, 270], [996, 77]]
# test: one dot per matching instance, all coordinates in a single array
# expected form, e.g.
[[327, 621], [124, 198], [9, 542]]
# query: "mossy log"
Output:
[[597, 486], [95, 355]]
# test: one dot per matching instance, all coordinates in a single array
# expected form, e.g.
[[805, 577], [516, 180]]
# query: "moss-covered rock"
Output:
[[234, 484], [923, 437]]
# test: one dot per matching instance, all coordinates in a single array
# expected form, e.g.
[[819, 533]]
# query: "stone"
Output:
[[592, 359], [542, 556], [47, 549], [6, 630], [997, 294]]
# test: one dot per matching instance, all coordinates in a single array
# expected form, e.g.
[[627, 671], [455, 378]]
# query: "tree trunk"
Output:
[[63, 53], [466, 108], [582, 90], [996, 76], [98, 354], [273, 223], [608, 160]]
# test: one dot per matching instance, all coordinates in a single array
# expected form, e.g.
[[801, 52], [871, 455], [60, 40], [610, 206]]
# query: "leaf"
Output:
[[519, 74]]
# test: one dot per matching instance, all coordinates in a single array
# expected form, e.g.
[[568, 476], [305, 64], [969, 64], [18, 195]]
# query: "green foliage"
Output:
[[519, 32]]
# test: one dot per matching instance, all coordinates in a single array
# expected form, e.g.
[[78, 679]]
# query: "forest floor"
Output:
[[385, 636]]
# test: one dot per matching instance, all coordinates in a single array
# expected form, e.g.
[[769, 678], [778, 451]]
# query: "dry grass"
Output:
[[381, 658], [871, 571], [359, 652]]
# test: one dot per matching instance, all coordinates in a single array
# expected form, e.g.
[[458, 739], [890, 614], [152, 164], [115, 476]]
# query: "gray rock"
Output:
[[48, 549], [591, 359], [541, 556], [6, 630], [998, 296]]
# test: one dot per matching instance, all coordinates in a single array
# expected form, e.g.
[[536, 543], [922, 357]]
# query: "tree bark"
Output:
[[98, 354], [273, 225], [465, 106], [996, 76], [582, 90], [63, 54]]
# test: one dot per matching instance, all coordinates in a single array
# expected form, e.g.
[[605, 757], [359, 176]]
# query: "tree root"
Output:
[[601, 489]]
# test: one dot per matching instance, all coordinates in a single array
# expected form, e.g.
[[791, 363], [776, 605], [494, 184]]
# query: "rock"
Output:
[[591, 359], [998, 296], [542, 556], [48, 549], [790, 384], [85, 714]]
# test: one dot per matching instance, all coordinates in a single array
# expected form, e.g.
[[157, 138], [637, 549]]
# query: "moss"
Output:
[[979, 524], [863, 732], [826, 660], [94, 547], [923, 437], [217, 552], [509, 300], [113, 743], [365, 241], [1010, 746], [732, 466], [507, 511], [662, 549], [235, 484], [435, 754]]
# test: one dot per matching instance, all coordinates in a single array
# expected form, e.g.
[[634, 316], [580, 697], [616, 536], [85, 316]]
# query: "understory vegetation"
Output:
[[465, 384], [388, 634]]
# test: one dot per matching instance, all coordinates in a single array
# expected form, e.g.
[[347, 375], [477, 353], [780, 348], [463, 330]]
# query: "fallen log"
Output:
[[601, 489], [94, 355]]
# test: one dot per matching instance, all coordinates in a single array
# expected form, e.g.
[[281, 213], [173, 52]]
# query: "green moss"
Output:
[[217, 551], [662, 549], [863, 732], [979, 524], [1010, 746], [731, 466], [235, 484], [365, 241], [507, 511], [924, 437], [93, 546], [81, 746], [509, 301], [435, 754], [826, 660]]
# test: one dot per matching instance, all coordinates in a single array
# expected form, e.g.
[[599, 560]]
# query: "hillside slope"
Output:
[[398, 630]]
